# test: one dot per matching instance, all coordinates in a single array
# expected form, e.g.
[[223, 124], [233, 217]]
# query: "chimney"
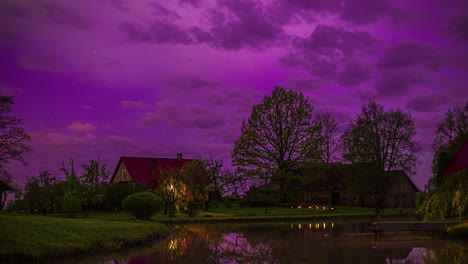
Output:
[[179, 156]]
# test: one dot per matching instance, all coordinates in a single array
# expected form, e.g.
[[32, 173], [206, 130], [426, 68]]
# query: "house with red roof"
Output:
[[459, 163], [145, 170]]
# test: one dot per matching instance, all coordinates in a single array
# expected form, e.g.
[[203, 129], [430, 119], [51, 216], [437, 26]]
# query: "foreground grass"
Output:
[[41, 237], [237, 213]]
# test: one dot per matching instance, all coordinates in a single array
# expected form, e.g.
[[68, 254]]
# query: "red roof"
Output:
[[140, 169], [460, 161]]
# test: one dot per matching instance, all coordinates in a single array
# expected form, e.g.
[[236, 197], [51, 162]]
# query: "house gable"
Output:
[[145, 169]]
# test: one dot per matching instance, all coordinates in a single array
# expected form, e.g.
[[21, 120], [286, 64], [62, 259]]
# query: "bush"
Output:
[[70, 204], [449, 201], [114, 194], [193, 208], [143, 205]]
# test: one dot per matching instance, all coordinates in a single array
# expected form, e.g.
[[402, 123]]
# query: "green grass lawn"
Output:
[[40, 237], [253, 213]]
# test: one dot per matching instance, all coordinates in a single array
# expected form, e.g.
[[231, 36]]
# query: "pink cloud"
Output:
[[79, 127], [132, 104]]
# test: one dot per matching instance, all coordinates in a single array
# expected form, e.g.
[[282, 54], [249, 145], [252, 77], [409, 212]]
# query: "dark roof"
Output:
[[392, 177], [460, 161], [141, 169]]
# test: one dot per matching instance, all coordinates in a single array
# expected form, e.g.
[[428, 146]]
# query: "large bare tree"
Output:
[[276, 137], [13, 138], [383, 139]]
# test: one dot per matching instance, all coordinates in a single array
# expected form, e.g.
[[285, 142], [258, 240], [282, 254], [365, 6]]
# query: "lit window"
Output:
[[124, 173]]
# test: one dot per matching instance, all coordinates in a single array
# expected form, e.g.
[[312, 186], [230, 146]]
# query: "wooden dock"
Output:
[[411, 226]]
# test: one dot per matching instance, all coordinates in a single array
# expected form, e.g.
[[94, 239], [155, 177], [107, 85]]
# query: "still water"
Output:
[[300, 242]]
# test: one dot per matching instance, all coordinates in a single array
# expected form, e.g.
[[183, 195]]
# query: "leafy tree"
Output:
[[50, 187], [13, 138], [278, 135], [73, 196], [383, 139], [450, 134], [171, 189], [205, 180], [34, 195], [94, 177]]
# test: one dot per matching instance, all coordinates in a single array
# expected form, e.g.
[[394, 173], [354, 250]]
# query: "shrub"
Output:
[[114, 194], [449, 201], [193, 208], [70, 204], [143, 205]]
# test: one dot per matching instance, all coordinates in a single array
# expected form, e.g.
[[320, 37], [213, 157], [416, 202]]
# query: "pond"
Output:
[[298, 242]]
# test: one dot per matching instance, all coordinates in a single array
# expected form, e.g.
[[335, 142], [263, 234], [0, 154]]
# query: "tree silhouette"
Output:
[[13, 138]]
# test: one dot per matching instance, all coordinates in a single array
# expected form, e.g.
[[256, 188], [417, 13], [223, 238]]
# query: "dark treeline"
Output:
[[284, 150]]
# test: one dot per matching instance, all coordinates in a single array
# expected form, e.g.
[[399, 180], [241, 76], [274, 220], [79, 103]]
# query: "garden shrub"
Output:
[[143, 205], [114, 194]]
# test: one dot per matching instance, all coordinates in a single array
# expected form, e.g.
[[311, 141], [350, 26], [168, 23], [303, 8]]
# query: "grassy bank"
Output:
[[41, 237]]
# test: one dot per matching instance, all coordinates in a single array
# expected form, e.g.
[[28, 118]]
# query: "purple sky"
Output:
[[152, 78]]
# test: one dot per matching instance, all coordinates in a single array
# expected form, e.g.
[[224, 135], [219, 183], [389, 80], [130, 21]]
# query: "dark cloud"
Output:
[[397, 82], [410, 53], [119, 4], [10, 37], [325, 51], [234, 25], [135, 32], [8, 11], [64, 15], [186, 84], [41, 63], [192, 2], [458, 28], [162, 11], [354, 72], [183, 116], [427, 103], [365, 11], [286, 11], [354, 11], [303, 84], [158, 31], [249, 26]]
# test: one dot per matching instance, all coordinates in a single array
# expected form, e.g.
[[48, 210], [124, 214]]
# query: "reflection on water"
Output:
[[306, 242]]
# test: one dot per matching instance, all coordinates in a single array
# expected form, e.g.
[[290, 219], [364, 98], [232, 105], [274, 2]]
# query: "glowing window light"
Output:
[[310, 225], [292, 226], [333, 224], [324, 225], [300, 226]]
